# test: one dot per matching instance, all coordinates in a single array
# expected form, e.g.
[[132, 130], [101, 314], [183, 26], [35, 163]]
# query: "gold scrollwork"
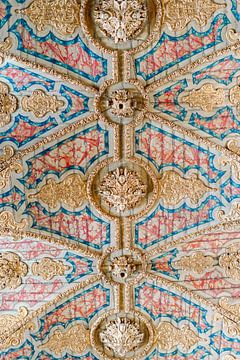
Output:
[[12, 269], [8, 104], [232, 327], [41, 103], [230, 261], [197, 262], [8, 225], [5, 172], [47, 268]]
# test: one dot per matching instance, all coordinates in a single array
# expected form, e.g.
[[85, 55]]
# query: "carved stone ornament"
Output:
[[230, 262], [8, 104], [179, 13], [122, 267], [8, 225], [122, 103], [47, 268], [122, 336], [7, 321], [70, 191], [63, 15], [207, 97], [41, 103], [122, 189], [75, 339], [191, 188], [6, 168], [170, 337], [197, 262], [120, 19], [12, 269]]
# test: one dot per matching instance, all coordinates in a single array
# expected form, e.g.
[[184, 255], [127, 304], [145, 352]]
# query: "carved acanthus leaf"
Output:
[[70, 191], [7, 322], [75, 339], [179, 13], [207, 97], [63, 15], [7, 165], [41, 103], [8, 104], [173, 188], [230, 262], [47, 268], [12, 269], [170, 337], [8, 225], [197, 262]]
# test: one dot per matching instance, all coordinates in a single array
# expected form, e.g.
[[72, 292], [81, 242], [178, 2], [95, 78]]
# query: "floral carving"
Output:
[[41, 103], [63, 15], [7, 322], [122, 189], [173, 188], [8, 104], [70, 191], [230, 262], [122, 103], [47, 268], [169, 337], [75, 339], [122, 267], [120, 19], [179, 13], [206, 98], [121, 336], [7, 164], [197, 262], [12, 269], [8, 225]]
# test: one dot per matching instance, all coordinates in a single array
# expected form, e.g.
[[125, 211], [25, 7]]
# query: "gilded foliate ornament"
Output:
[[7, 165], [121, 336], [232, 327], [41, 103], [230, 262], [63, 15], [122, 267], [122, 189], [9, 226], [8, 104], [70, 192], [47, 268], [120, 19], [122, 103], [12, 269], [75, 339], [197, 262]]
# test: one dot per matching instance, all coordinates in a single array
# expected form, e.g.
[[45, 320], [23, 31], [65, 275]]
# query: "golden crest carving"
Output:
[[41, 103], [179, 13], [122, 103], [8, 104], [173, 188], [197, 262], [230, 262], [8, 225], [122, 267], [122, 189], [12, 269], [70, 191], [122, 336], [206, 98], [63, 15], [47, 268], [5, 171], [170, 337], [120, 19], [7, 322], [75, 339]]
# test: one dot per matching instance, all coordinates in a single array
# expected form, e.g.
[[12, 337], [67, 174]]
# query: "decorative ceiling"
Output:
[[119, 179]]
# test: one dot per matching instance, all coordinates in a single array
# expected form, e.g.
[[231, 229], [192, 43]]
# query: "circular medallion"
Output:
[[122, 335]]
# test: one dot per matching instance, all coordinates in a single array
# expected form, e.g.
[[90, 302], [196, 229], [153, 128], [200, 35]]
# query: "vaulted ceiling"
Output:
[[119, 179]]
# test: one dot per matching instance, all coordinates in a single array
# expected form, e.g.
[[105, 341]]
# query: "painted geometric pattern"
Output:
[[119, 180]]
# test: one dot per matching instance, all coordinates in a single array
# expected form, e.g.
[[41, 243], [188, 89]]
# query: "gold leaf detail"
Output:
[[230, 262], [121, 20], [70, 191], [12, 269], [8, 104], [75, 339], [197, 262], [47, 268], [7, 322], [233, 145], [233, 215], [173, 188], [234, 95], [5, 46], [122, 267], [179, 13], [122, 103], [8, 225], [206, 98], [169, 337], [41, 103], [64, 15], [233, 328], [122, 189], [5, 171]]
